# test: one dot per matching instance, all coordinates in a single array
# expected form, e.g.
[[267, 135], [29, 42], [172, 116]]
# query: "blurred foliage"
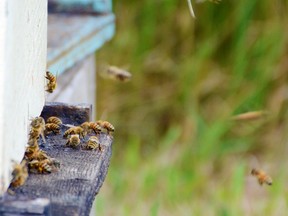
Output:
[[176, 150]]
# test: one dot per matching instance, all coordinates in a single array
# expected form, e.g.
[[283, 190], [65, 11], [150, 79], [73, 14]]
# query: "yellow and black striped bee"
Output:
[[54, 120], [262, 177], [106, 125], [19, 174], [93, 143], [37, 128], [73, 141], [52, 82], [75, 130], [52, 127]]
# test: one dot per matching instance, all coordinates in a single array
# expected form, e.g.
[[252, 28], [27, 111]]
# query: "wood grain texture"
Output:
[[22, 65], [72, 189], [72, 38]]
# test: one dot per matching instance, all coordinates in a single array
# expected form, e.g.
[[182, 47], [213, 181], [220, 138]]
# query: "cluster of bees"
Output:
[[74, 134], [36, 160]]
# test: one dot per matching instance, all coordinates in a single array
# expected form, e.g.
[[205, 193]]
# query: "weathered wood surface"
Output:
[[72, 189], [72, 38]]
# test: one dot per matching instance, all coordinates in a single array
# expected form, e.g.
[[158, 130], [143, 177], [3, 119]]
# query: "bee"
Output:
[[249, 116], [40, 166], [37, 128], [93, 143], [73, 141], [87, 126], [106, 125], [37, 122], [19, 174], [52, 82], [52, 127], [33, 142], [54, 120], [118, 74], [75, 130], [33, 152], [262, 177]]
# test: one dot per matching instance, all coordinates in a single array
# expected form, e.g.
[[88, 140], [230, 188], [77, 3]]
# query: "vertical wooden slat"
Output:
[[22, 65]]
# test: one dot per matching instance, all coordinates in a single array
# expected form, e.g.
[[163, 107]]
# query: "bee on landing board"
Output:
[[33, 152], [106, 125], [52, 127], [93, 144], [19, 174], [43, 166], [37, 128], [73, 141], [75, 130], [54, 120], [91, 126], [262, 177], [52, 82]]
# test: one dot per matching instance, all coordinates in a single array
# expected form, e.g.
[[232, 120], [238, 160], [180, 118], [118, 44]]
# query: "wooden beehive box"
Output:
[[63, 41]]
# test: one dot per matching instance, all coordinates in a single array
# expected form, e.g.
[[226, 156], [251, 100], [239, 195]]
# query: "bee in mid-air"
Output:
[[54, 120], [106, 125], [19, 174], [262, 177], [37, 128], [73, 141], [93, 144], [52, 127], [75, 130], [52, 82], [118, 74]]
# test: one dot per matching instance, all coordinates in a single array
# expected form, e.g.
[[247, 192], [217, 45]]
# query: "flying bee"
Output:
[[262, 177], [37, 128], [52, 82], [55, 120], [52, 127], [106, 125], [250, 116], [118, 74], [73, 141], [19, 174], [75, 130], [93, 143]]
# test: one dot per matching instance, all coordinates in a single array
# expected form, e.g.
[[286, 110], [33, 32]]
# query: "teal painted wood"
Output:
[[97, 6], [71, 38]]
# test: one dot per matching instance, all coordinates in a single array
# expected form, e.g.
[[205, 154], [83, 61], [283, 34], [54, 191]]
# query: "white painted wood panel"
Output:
[[23, 45]]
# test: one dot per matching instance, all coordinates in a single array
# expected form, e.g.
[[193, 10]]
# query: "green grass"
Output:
[[176, 151]]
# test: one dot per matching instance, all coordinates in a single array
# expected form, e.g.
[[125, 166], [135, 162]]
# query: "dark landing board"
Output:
[[72, 189]]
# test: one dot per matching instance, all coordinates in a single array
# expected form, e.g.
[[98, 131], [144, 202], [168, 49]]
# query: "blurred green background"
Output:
[[176, 150]]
